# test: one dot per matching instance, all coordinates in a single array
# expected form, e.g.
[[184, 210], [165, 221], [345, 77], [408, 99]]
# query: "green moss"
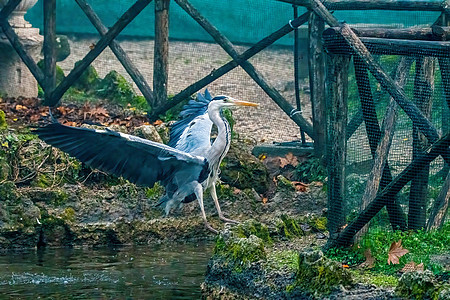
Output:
[[241, 251], [378, 279], [42, 181], [3, 124], [288, 227], [252, 227], [68, 215], [117, 89], [284, 184], [320, 223], [320, 275], [155, 192], [88, 79], [279, 260]]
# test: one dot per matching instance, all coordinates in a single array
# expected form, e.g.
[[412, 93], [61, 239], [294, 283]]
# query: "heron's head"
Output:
[[222, 101]]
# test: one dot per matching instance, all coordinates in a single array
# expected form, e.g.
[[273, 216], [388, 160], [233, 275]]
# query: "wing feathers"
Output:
[[138, 160]]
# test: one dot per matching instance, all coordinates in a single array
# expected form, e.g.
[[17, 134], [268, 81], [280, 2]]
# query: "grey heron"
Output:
[[187, 166]]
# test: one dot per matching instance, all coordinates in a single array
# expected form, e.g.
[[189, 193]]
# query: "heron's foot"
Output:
[[228, 220], [209, 227]]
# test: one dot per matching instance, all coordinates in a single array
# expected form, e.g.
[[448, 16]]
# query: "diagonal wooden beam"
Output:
[[8, 9], [248, 67], [16, 44], [396, 92], [217, 73], [345, 237], [126, 62], [76, 72]]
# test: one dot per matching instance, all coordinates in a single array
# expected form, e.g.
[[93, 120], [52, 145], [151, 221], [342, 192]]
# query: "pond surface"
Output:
[[172, 271]]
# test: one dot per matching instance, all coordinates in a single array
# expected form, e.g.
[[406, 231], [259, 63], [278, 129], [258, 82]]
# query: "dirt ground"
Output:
[[191, 61]]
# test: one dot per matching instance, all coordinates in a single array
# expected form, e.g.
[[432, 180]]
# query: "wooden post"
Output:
[[316, 62], [217, 73], [248, 67], [112, 33], [119, 52], [380, 139], [161, 54], [423, 92], [440, 207], [346, 236], [337, 93], [49, 48]]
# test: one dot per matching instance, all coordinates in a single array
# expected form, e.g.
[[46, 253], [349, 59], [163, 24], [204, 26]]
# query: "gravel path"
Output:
[[190, 61]]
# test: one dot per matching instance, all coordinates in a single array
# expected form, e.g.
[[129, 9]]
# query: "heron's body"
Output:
[[186, 167]]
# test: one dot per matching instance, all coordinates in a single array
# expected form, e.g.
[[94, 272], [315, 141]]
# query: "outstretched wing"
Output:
[[192, 134], [139, 160]]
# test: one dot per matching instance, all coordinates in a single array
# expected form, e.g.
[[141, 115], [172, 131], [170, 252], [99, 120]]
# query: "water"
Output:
[[173, 271]]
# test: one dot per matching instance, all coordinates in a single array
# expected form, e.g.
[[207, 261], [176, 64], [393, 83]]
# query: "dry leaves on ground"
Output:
[[395, 252]]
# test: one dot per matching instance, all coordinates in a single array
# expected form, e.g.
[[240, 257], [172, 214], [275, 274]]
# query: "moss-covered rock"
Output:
[[62, 47], [242, 251], [421, 285], [88, 80], [116, 88], [242, 170], [252, 227], [320, 275], [288, 227]]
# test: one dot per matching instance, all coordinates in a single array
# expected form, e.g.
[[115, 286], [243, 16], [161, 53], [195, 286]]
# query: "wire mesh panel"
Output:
[[386, 136]]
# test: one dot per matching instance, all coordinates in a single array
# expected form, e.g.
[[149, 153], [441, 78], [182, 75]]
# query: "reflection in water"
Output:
[[171, 271]]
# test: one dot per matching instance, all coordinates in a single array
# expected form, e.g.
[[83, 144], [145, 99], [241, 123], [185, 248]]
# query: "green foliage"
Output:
[[347, 256], [311, 170], [228, 114], [155, 192], [3, 124], [421, 245]]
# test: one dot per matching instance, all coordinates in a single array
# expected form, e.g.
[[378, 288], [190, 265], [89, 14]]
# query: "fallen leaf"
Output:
[[412, 266], [370, 261], [300, 186], [395, 252], [289, 159], [264, 200], [20, 107], [345, 266]]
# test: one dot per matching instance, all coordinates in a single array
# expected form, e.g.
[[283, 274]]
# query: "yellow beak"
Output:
[[244, 103]]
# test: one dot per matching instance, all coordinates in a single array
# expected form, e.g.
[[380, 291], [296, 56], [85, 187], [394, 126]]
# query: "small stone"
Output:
[[148, 132]]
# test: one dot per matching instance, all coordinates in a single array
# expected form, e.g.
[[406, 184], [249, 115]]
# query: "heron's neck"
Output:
[[221, 144]]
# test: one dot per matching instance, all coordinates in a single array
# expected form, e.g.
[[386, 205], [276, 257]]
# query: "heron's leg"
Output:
[[198, 190], [216, 202]]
